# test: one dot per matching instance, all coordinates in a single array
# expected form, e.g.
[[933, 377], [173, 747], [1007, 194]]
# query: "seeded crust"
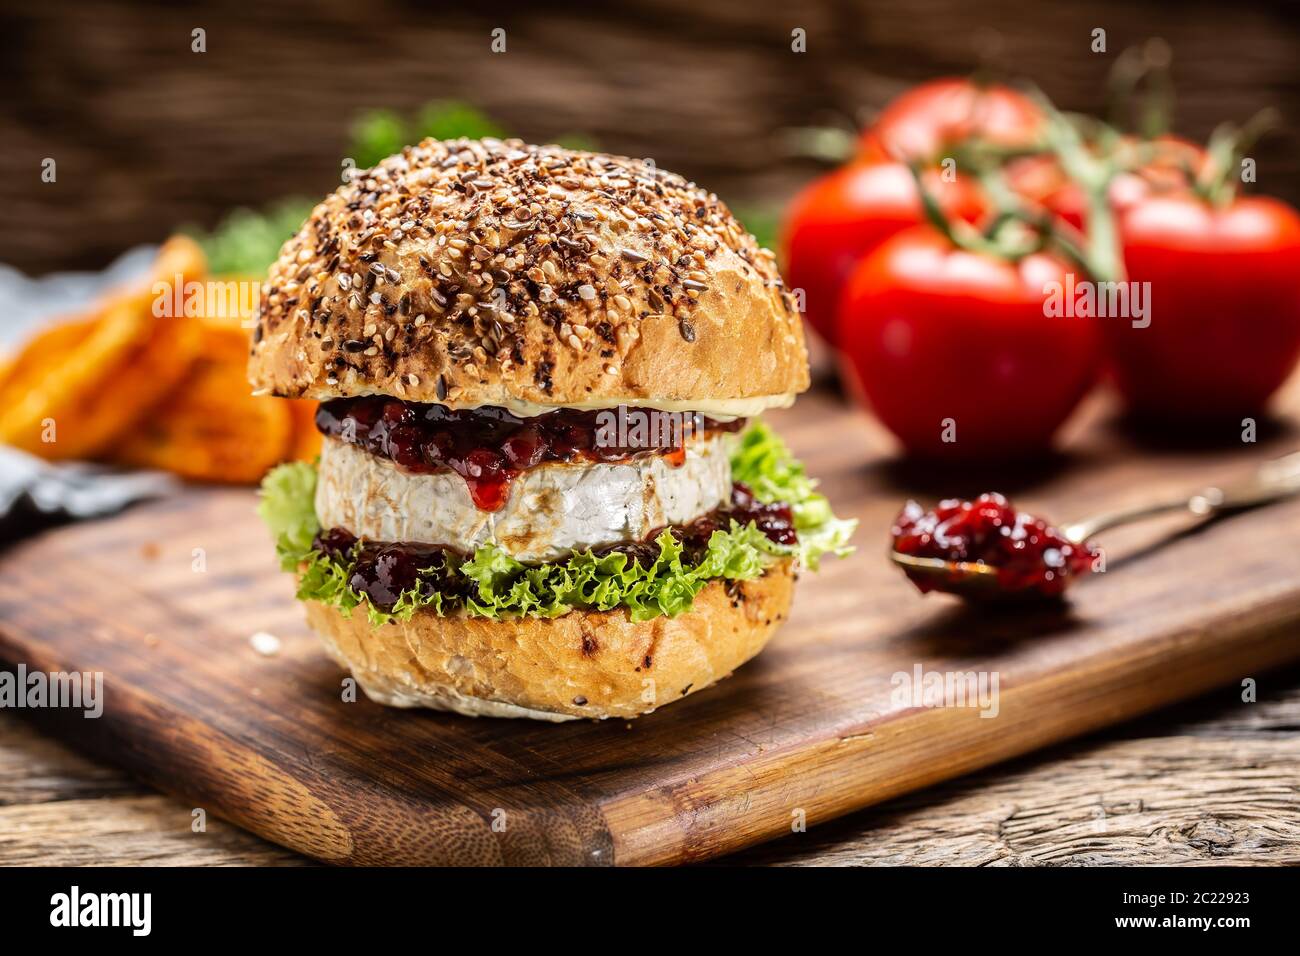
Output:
[[577, 665], [487, 272]]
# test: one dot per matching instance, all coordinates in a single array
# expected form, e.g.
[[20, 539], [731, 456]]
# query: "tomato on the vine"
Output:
[[1168, 164], [1224, 331], [841, 217], [954, 350], [928, 119]]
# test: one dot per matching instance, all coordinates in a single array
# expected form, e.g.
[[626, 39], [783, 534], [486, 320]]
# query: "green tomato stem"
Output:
[[1101, 254]]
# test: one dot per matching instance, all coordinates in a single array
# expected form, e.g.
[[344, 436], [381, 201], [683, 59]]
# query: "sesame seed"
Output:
[[515, 255]]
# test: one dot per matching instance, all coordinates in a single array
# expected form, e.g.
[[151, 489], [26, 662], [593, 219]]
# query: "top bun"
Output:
[[492, 272]]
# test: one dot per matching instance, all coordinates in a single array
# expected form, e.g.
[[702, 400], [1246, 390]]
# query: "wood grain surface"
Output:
[[1215, 781], [809, 728], [148, 135]]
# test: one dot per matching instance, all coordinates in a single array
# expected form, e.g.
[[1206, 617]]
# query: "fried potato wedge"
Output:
[[229, 339], [76, 386], [210, 427], [305, 443]]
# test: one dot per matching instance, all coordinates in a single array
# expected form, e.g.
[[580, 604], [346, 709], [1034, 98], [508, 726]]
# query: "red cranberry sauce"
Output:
[[486, 446], [1028, 553], [384, 571]]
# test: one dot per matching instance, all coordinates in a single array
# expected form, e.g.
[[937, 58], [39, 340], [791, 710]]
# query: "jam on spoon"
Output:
[[986, 547]]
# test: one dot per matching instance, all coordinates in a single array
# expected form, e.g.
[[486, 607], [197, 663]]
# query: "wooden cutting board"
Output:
[[811, 729]]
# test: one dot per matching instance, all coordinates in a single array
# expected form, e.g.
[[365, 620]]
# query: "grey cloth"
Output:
[[35, 494]]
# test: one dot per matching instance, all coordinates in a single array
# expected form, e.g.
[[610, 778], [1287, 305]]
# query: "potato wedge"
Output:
[[211, 427], [74, 387], [304, 445], [231, 341]]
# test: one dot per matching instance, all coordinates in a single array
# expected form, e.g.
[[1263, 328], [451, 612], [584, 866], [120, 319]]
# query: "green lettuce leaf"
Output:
[[288, 507], [764, 463], [504, 587], [247, 241]]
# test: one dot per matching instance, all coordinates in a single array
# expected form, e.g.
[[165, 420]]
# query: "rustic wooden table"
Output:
[[1212, 781]]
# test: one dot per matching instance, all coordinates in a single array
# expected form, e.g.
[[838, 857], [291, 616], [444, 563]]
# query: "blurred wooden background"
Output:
[[148, 135]]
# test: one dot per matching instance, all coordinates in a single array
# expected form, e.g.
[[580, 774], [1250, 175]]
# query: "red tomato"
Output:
[[1042, 182], [933, 333], [848, 213], [1224, 301], [929, 118]]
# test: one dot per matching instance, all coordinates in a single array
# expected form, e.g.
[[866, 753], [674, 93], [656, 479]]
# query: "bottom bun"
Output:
[[582, 664]]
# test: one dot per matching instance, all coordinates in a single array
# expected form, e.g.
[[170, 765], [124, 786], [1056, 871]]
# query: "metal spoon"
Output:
[[1272, 481]]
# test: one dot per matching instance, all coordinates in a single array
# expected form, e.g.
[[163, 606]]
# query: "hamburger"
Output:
[[542, 490]]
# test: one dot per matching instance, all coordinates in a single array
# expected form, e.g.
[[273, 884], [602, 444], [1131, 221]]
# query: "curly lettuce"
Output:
[[765, 465], [287, 505], [502, 587]]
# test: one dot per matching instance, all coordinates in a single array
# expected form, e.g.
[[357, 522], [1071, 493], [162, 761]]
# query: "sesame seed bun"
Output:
[[582, 664], [497, 273]]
